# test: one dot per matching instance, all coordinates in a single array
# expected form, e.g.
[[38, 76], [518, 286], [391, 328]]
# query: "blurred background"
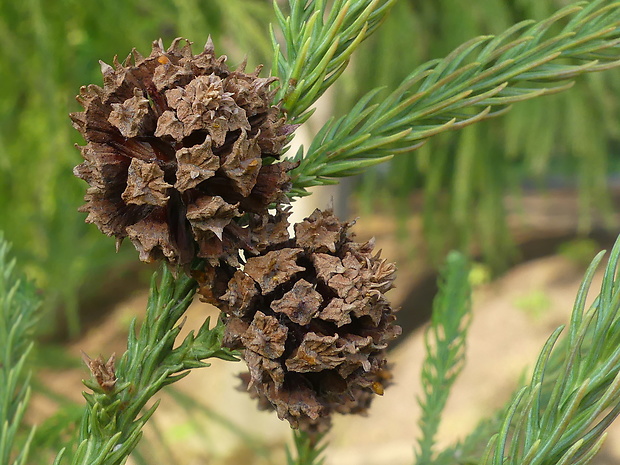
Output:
[[538, 182]]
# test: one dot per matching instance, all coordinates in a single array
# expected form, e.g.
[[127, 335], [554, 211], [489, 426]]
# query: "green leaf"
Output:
[[568, 425], [308, 449], [475, 82], [319, 42], [113, 418], [445, 349], [18, 315]]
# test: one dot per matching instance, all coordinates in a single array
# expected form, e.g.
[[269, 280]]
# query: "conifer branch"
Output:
[[478, 80], [115, 414], [568, 424], [308, 449], [319, 41], [18, 305], [445, 349]]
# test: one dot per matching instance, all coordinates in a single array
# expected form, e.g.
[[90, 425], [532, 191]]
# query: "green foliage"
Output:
[[445, 349], [318, 49], [574, 394], [478, 80], [568, 425], [535, 303], [567, 140], [308, 449], [49, 50], [470, 449], [578, 251], [114, 416], [18, 306]]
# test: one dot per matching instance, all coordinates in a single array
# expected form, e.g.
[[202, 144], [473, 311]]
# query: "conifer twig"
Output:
[[308, 449], [18, 305], [445, 349], [114, 415], [567, 426], [319, 41], [478, 80]]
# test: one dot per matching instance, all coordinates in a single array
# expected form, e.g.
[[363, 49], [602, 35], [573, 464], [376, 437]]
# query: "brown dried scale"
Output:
[[104, 372], [312, 321], [181, 154]]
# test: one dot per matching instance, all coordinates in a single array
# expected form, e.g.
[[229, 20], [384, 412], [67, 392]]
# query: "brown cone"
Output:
[[178, 153], [312, 320]]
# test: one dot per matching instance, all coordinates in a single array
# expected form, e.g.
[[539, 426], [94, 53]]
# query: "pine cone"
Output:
[[179, 152], [312, 320]]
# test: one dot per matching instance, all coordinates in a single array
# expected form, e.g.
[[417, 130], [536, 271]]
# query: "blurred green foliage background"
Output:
[[50, 48]]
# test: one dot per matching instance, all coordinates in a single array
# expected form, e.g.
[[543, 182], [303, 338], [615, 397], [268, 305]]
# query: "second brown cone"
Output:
[[312, 321]]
